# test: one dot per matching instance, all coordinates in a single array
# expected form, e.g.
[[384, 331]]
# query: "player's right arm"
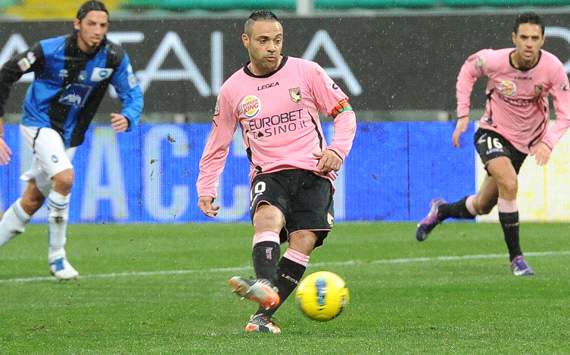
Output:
[[20, 64], [473, 68], [215, 153]]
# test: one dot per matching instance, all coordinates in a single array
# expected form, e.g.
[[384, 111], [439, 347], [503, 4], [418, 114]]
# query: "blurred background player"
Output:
[[515, 124], [276, 101], [72, 74]]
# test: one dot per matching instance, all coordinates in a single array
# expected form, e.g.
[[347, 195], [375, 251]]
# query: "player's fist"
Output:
[[460, 128], [329, 161], [5, 152], [206, 205], [541, 153], [119, 123]]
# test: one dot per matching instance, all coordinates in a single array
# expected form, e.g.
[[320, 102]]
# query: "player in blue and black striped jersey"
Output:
[[72, 75]]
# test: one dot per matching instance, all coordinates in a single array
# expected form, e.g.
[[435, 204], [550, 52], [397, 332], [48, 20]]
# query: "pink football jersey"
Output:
[[278, 115], [517, 104]]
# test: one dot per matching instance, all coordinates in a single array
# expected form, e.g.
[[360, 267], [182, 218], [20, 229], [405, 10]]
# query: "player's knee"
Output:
[[268, 217], [509, 187], [63, 181]]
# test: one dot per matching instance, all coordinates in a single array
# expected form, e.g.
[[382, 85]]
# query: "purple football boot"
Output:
[[520, 267], [427, 224]]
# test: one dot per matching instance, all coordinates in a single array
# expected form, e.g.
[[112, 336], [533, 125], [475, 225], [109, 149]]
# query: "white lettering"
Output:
[[341, 70], [172, 41], [152, 173], [126, 37], [217, 60], [104, 157], [240, 193]]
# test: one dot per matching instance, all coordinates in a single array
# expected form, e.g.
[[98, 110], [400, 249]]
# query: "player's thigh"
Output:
[[503, 172], [268, 218], [269, 199], [312, 209], [48, 149]]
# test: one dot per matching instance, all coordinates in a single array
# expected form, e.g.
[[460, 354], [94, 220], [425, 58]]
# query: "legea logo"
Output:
[[250, 106]]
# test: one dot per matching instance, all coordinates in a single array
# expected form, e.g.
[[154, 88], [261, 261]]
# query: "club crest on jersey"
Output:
[[249, 107], [295, 94], [100, 74], [538, 89], [507, 87]]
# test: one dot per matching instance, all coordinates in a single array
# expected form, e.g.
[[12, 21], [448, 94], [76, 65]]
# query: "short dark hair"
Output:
[[528, 17], [259, 15], [91, 5]]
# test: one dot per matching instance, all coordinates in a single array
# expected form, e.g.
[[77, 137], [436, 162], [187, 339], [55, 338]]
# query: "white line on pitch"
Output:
[[321, 264]]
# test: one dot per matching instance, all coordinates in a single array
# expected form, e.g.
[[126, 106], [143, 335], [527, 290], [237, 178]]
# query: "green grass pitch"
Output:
[[162, 289]]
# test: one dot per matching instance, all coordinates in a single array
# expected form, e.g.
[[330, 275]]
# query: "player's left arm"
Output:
[[129, 91], [560, 93], [332, 101]]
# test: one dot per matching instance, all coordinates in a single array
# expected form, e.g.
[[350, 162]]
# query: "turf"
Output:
[[162, 289]]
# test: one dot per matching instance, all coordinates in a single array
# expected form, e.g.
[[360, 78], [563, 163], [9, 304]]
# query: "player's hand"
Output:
[[119, 122], [460, 128], [329, 161], [541, 153], [205, 204], [5, 152]]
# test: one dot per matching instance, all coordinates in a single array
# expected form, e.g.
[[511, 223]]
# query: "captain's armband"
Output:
[[341, 106]]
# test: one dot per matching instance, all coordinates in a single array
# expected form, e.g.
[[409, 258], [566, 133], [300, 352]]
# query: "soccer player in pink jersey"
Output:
[[515, 124], [276, 101]]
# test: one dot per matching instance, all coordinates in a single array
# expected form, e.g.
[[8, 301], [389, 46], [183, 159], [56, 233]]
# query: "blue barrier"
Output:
[[149, 175]]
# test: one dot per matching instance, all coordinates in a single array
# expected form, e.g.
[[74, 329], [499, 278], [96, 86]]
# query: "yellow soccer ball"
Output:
[[322, 295]]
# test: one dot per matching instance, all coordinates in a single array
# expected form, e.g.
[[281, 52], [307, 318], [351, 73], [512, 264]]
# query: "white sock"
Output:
[[58, 206], [13, 222]]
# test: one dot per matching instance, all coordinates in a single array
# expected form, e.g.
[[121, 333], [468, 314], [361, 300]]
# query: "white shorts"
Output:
[[50, 156]]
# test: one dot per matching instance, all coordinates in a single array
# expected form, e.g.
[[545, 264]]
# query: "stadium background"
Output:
[[398, 62]]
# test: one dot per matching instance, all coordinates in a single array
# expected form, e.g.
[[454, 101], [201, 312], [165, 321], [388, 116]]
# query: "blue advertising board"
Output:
[[149, 175]]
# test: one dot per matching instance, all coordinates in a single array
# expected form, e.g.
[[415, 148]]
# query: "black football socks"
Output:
[[510, 223], [454, 210]]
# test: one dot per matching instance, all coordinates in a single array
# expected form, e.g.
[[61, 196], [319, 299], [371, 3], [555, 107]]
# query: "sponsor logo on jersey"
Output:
[[295, 94], [75, 95], [267, 86], [100, 74], [249, 107], [507, 88], [27, 62], [63, 73], [24, 64], [133, 80], [270, 126]]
